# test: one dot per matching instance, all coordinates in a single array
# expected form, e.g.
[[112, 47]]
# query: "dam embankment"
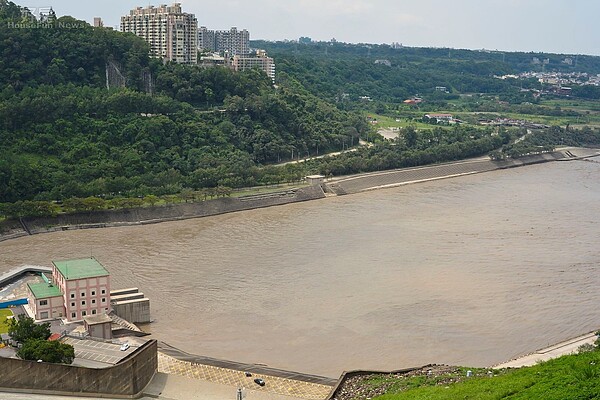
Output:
[[149, 215], [338, 186]]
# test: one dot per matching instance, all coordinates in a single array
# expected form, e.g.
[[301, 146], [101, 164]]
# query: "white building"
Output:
[[171, 33], [260, 60], [233, 42]]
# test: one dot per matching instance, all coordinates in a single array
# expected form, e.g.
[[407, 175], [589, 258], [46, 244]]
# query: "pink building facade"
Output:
[[85, 287], [45, 301]]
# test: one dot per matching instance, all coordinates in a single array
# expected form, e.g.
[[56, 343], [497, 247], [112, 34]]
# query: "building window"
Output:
[[103, 300], [83, 302], [82, 294], [72, 304], [106, 309], [93, 311], [93, 292], [44, 315], [73, 315], [72, 295], [83, 313], [103, 291], [44, 303], [93, 301]]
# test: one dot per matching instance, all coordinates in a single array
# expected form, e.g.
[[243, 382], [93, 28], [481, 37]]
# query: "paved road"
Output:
[[555, 351]]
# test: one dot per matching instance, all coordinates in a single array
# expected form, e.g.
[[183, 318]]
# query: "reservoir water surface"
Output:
[[471, 271]]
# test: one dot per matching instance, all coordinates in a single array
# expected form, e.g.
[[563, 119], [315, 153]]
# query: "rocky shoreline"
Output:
[[360, 386]]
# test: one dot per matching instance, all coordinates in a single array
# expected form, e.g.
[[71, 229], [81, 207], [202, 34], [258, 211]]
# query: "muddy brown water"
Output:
[[472, 271]]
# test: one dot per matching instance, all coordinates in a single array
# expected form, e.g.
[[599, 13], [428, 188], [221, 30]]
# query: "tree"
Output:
[[410, 136], [23, 328], [51, 351]]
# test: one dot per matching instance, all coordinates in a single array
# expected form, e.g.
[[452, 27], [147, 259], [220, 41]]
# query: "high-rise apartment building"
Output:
[[171, 33], [232, 42], [260, 60]]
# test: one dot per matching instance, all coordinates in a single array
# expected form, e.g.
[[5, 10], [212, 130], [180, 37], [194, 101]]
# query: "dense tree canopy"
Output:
[[69, 135], [63, 134], [51, 351], [23, 328]]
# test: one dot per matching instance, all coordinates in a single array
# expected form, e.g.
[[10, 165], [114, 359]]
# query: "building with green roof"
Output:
[[85, 284], [44, 290], [45, 301], [78, 288], [80, 269]]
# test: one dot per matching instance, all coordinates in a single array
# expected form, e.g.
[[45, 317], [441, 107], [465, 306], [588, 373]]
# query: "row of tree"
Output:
[[33, 344]]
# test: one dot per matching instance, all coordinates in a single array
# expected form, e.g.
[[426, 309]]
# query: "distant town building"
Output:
[[440, 117], [387, 63], [171, 33], [232, 42], [98, 23], [259, 60], [568, 61], [212, 60], [305, 40], [413, 101]]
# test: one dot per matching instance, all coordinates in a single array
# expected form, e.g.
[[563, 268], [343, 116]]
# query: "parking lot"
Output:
[[99, 352]]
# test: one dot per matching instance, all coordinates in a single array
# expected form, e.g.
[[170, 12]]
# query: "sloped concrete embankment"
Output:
[[149, 215], [379, 180], [11, 229]]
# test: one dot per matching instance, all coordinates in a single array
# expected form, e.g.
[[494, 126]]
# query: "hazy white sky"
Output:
[[562, 26]]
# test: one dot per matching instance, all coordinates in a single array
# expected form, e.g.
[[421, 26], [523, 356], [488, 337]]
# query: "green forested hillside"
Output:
[[85, 113], [64, 134], [336, 68]]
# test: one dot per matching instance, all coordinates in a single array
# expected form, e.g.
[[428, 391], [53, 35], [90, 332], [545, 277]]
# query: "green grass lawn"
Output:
[[3, 321], [568, 377], [385, 122]]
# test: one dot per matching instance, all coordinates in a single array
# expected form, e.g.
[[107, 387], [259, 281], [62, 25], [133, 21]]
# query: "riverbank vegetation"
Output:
[[568, 377], [33, 344]]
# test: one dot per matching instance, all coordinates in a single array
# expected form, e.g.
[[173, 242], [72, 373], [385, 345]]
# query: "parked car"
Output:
[[259, 382], [124, 346], [248, 373]]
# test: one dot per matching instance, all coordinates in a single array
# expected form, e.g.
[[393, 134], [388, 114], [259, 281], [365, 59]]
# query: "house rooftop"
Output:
[[80, 269], [44, 290]]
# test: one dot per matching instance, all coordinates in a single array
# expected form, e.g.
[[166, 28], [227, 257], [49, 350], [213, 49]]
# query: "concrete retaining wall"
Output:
[[126, 379], [136, 311], [149, 215]]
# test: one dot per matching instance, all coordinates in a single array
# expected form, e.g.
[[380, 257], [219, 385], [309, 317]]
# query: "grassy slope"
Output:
[[568, 377], [4, 313]]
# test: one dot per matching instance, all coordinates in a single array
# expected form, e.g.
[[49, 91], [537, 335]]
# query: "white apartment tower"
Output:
[[259, 61], [171, 33], [233, 42]]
